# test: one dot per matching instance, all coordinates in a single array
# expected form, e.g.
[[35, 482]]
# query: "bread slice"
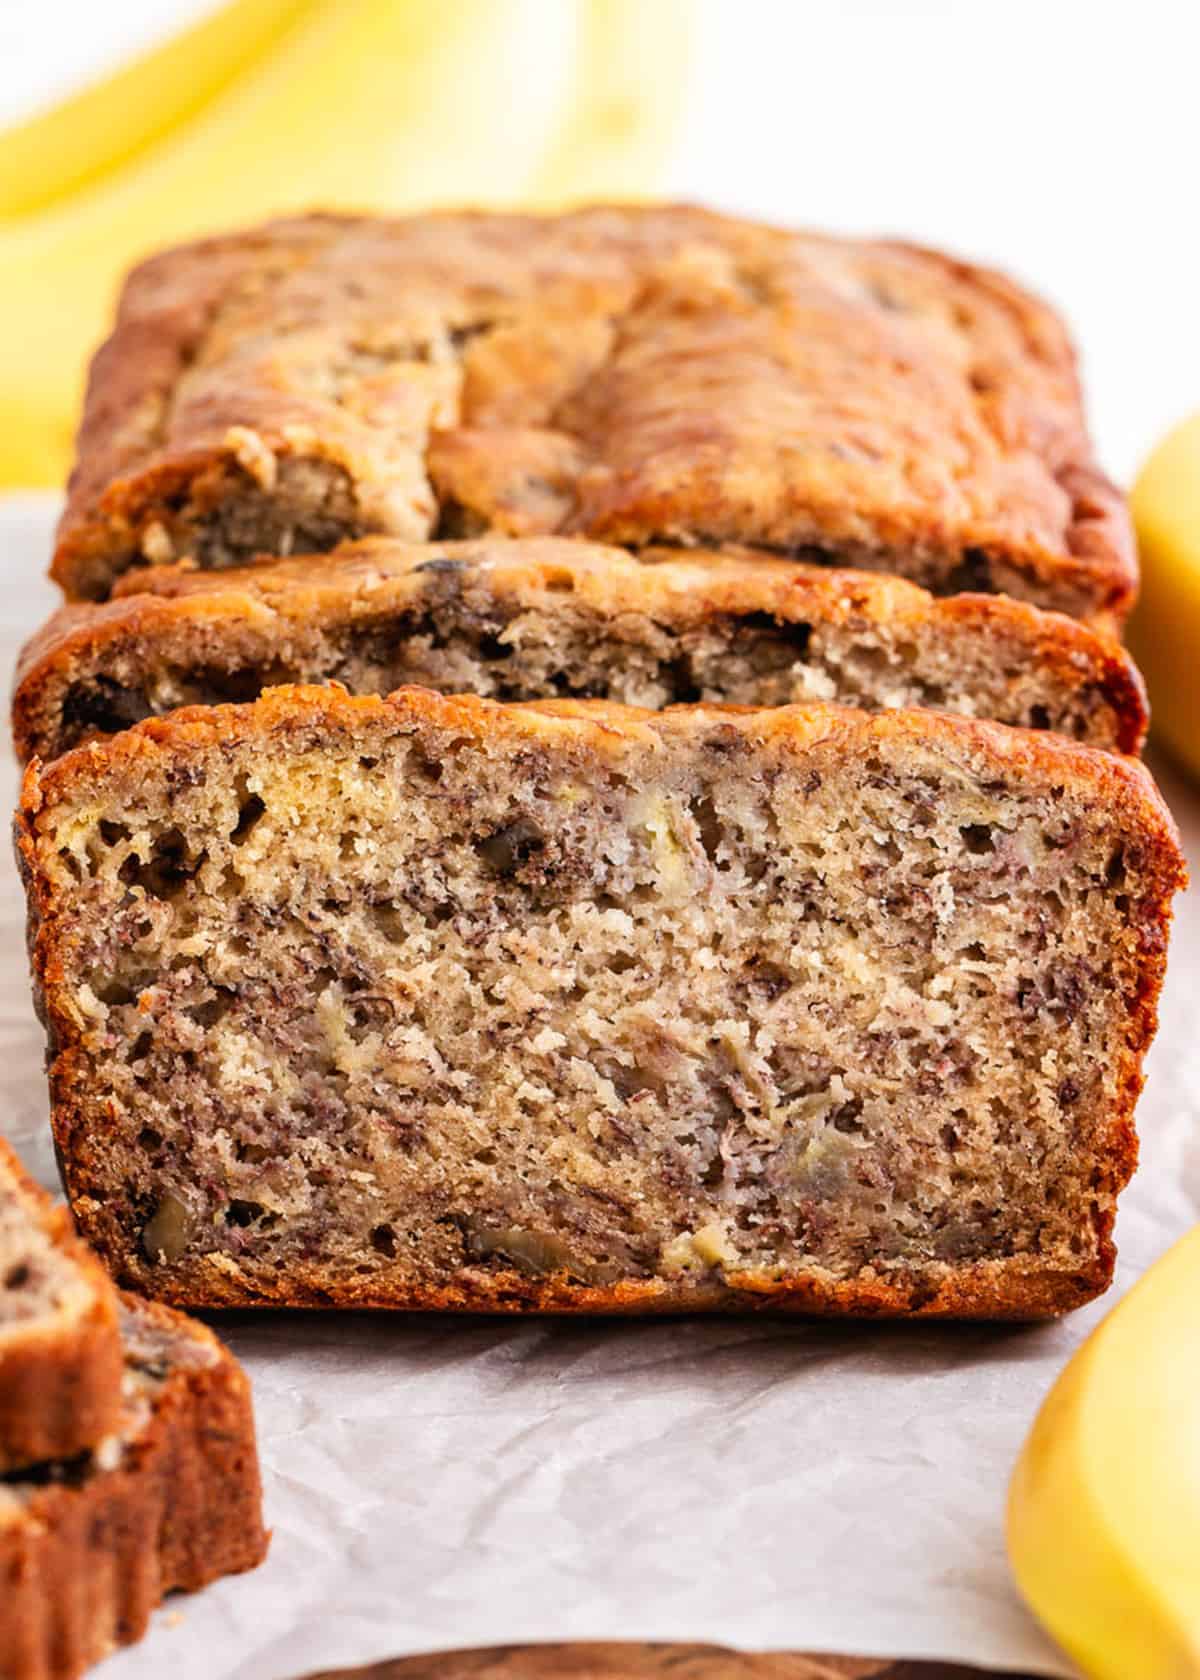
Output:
[[60, 1346], [438, 1002], [636, 375], [170, 1500], [528, 619]]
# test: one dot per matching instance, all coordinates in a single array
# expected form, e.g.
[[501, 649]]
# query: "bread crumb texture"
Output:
[[441, 1002], [529, 618]]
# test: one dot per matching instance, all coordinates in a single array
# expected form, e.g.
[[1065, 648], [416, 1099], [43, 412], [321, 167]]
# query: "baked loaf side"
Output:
[[634, 375], [532, 618], [60, 1347], [170, 1501], [434, 1002]]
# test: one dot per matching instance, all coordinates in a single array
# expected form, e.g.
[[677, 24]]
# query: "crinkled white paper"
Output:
[[433, 1483]]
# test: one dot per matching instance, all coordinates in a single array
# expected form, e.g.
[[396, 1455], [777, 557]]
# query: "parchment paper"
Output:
[[440, 1484]]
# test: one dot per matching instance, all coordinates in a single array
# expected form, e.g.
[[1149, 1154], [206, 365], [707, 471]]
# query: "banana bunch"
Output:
[[269, 106], [1164, 632], [1104, 1507]]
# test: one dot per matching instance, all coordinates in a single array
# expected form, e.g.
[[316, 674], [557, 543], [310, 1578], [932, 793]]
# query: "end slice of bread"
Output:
[[60, 1344], [169, 1501]]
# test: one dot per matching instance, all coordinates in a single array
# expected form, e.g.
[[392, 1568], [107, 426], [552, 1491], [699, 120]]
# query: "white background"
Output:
[[1057, 138], [769, 1487]]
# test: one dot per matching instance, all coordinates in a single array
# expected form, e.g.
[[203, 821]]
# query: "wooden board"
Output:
[[650, 1662]]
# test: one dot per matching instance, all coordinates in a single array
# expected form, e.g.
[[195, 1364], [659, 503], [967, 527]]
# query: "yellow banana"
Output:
[[1104, 1507], [360, 103], [106, 124], [1164, 632], [624, 103]]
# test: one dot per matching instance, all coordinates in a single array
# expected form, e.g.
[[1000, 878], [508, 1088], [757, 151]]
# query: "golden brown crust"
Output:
[[631, 1661], [298, 708], [84, 1562], [628, 374], [60, 1381], [1018, 1287], [997, 1291], [267, 610]]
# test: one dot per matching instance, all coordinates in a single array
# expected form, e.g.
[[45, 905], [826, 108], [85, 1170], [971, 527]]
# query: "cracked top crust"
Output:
[[631, 375]]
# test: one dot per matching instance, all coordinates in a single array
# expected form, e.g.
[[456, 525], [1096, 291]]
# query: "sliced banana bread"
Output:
[[60, 1345], [437, 1002], [528, 619], [169, 1501], [635, 375]]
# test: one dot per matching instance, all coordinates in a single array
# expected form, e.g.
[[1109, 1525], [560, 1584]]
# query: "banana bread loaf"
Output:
[[439, 1002], [527, 619], [60, 1344], [635, 375], [169, 1501]]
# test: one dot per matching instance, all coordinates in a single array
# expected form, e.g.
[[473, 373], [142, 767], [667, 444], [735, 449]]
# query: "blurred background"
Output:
[[1057, 138]]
